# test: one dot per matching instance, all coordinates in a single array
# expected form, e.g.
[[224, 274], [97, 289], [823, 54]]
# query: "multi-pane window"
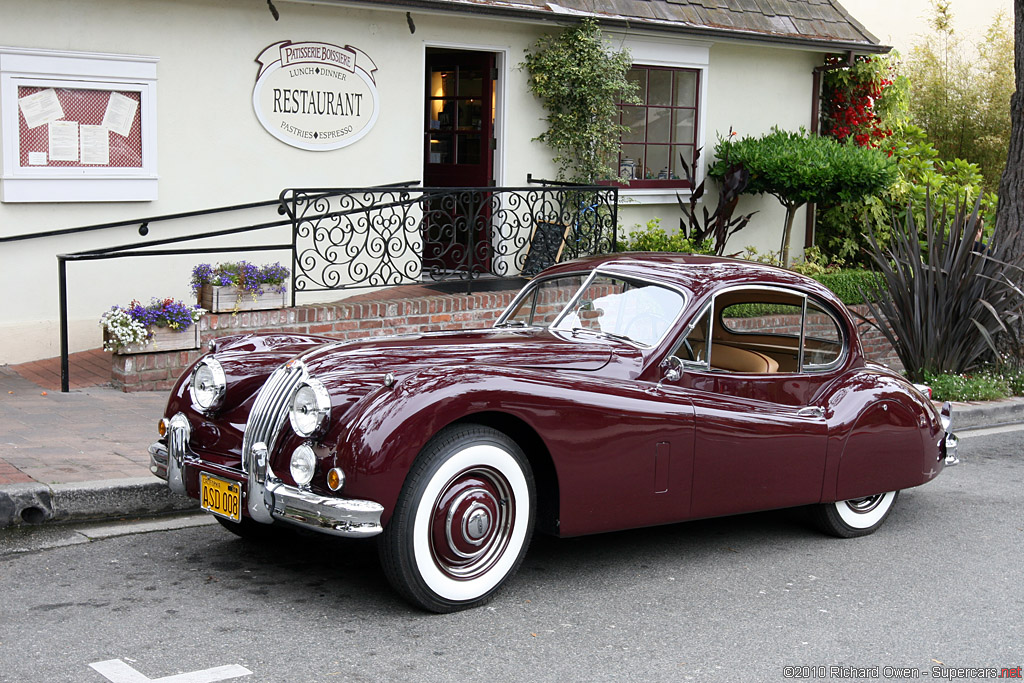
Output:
[[662, 128]]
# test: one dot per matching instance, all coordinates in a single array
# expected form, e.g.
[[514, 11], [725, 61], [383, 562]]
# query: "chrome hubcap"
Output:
[[472, 522], [864, 505]]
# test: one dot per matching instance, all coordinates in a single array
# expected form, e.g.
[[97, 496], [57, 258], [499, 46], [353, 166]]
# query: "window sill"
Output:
[[653, 195]]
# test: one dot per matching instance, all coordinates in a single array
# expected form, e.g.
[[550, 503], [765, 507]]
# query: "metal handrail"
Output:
[[314, 220]]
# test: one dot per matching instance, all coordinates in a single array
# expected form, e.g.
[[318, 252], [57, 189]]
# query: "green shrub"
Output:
[[981, 386], [654, 238], [850, 284]]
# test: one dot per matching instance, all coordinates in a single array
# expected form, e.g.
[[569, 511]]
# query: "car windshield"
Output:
[[607, 305]]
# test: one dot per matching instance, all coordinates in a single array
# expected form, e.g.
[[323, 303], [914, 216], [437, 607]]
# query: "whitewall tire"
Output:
[[855, 517], [463, 521]]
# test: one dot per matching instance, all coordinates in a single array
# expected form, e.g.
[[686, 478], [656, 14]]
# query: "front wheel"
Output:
[[462, 522], [854, 517]]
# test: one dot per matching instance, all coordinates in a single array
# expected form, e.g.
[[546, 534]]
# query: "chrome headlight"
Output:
[[311, 406], [303, 464], [208, 384]]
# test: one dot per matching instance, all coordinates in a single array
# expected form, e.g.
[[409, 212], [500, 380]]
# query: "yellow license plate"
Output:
[[220, 496]]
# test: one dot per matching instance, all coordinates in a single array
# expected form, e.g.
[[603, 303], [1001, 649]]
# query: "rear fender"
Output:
[[883, 436]]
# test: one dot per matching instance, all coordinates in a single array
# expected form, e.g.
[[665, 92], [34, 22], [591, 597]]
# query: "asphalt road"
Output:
[[939, 588]]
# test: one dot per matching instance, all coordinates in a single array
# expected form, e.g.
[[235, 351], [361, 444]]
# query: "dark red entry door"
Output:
[[458, 139]]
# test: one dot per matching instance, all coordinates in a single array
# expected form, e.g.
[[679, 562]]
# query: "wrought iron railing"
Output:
[[387, 235], [372, 237]]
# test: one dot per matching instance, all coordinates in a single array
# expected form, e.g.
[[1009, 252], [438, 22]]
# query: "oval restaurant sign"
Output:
[[315, 96]]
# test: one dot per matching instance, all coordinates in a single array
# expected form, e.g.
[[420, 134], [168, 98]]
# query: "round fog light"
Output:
[[335, 478], [303, 465]]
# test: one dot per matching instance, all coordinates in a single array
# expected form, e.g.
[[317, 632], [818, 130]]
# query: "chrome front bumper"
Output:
[[267, 498]]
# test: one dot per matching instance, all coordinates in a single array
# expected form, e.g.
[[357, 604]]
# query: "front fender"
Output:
[[386, 429]]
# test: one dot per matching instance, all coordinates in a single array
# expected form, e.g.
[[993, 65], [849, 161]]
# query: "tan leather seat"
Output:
[[734, 359]]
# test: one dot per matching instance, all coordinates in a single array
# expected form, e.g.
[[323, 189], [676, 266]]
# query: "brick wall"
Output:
[[158, 371]]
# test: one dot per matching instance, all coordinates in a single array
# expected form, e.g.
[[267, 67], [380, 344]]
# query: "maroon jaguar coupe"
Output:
[[615, 392]]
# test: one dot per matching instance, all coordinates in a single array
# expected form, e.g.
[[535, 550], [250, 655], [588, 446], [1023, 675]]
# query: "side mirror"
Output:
[[672, 370]]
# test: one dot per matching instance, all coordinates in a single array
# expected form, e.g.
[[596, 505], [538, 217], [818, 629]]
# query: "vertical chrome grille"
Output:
[[270, 410]]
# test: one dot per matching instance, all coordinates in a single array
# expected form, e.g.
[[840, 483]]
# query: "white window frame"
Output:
[[76, 70], [673, 53]]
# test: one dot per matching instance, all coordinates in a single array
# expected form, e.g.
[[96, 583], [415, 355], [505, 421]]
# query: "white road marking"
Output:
[[119, 672]]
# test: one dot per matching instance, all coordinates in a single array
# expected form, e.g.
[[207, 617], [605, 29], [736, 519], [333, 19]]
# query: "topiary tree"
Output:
[[581, 81], [797, 168]]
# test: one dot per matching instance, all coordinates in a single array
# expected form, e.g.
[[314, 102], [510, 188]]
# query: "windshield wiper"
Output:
[[610, 335], [511, 323]]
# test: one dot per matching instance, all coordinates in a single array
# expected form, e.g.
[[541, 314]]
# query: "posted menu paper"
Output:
[[41, 108], [120, 114]]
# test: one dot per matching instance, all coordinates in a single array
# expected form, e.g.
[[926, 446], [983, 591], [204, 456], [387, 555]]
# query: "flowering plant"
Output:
[[863, 101], [128, 326], [247, 277]]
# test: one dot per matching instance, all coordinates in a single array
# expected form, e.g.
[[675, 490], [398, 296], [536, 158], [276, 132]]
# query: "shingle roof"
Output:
[[808, 22]]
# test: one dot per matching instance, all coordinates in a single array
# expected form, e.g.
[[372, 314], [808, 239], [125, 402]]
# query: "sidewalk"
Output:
[[82, 455], [78, 455]]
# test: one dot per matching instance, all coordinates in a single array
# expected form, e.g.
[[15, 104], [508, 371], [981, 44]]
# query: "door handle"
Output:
[[811, 411]]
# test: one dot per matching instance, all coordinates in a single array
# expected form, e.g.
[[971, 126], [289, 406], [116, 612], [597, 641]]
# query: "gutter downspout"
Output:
[[815, 128]]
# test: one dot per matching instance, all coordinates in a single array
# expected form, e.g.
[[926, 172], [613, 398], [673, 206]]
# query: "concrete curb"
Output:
[[87, 500], [987, 414]]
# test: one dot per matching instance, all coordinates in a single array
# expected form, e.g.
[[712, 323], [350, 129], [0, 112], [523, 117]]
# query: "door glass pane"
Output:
[[468, 149], [683, 125], [440, 149], [660, 87], [441, 86], [470, 113], [634, 118], [686, 89], [471, 83]]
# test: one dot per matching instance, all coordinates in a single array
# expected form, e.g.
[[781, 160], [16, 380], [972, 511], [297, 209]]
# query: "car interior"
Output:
[[759, 331]]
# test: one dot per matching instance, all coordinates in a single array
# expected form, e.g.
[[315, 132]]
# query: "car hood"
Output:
[[532, 348]]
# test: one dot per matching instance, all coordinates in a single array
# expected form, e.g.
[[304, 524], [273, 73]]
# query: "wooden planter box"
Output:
[[164, 339], [229, 299]]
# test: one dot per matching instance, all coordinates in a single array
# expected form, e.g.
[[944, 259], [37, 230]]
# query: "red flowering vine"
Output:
[[850, 98]]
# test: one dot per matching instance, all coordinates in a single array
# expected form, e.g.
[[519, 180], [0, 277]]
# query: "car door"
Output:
[[753, 367]]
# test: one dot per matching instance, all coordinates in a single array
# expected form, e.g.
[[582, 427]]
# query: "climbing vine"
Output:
[[581, 80]]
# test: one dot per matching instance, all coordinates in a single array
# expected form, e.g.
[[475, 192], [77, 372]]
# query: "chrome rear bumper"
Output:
[[267, 497]]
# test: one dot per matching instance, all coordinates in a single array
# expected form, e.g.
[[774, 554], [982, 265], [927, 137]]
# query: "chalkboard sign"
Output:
[[545, 248]]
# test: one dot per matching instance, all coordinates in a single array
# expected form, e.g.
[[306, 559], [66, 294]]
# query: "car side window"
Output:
[[693, 349], [544, 302], [823, 338], [763, 331]]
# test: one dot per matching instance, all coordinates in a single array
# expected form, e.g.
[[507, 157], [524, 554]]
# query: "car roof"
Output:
[[697, 274]]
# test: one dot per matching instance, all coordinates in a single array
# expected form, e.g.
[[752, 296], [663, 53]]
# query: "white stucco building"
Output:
[[116, 110]]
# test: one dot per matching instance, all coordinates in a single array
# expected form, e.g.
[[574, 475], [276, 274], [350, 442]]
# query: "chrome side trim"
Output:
[[335, 516]]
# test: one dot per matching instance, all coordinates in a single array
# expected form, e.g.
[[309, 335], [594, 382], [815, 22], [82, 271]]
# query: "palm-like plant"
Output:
[[946, 297]]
